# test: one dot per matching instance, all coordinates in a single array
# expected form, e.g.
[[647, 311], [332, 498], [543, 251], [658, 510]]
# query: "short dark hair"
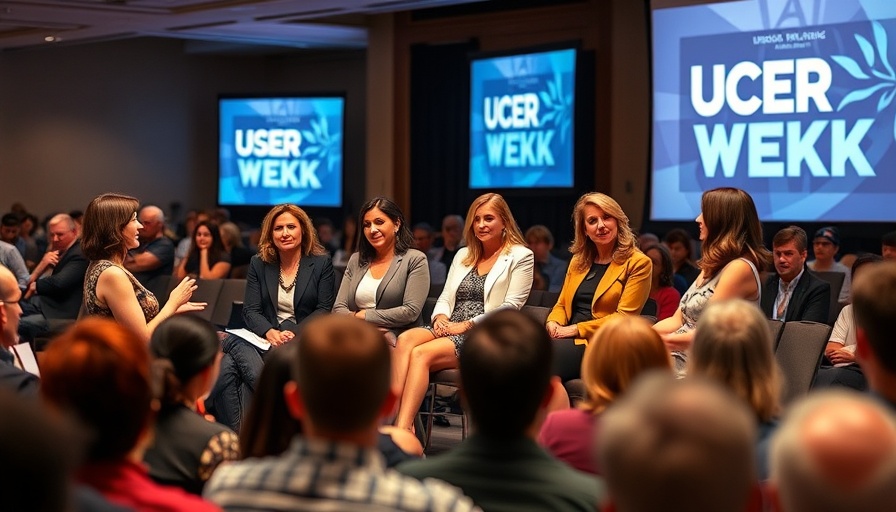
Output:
[[505, 370], [11, 219], [182, 346], [874, 307], [343, 356], [794, 234], [682, 237], [889, 239], [404, 239], [863, 258], [268, 428], [666, 272]]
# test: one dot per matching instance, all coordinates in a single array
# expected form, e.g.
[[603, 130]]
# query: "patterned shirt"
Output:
[[316, 475]]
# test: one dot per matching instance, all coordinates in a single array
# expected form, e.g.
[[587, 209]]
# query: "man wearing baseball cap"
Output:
[[825, 246]]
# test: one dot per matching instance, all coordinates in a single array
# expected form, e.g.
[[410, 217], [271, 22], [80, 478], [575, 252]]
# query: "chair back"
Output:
[[539, 313], [835, 279], [232, 290], [776, 327], [207, 290], [799, 355]]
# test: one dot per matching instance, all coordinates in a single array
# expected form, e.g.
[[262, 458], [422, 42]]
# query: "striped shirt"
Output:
[[318, 475]]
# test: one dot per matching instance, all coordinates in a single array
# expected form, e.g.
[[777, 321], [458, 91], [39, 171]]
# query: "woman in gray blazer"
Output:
[[385, 282]]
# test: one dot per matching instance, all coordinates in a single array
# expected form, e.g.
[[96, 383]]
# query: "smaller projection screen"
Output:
[[790, 100], [522, 113], [277, 150]]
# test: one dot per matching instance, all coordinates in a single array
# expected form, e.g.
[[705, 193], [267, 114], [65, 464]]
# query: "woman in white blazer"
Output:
[[494, 271]]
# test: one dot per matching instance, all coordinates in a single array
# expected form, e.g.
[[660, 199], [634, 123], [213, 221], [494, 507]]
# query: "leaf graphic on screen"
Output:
[[867, 50], [851, 66], [880, 37], [860, 95], [885, 99], [545, 98], [309, 136]]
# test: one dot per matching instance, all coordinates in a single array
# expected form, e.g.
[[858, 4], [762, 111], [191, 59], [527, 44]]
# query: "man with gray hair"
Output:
[[835, 451], [678, 445], [155, 256]]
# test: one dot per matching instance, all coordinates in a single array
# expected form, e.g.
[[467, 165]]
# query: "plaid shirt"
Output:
[[318, 475]]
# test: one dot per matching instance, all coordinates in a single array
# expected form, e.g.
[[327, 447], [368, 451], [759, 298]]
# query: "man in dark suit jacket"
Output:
[[56, 296], [794, 293]]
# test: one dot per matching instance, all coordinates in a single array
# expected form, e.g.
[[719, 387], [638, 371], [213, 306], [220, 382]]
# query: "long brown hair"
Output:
[[512, 234], [105, 218], [583, 249], [733, 231], [267, 251]]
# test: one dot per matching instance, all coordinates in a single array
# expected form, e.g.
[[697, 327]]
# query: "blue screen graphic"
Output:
[[790, 100], [281, 150], [522, 120]]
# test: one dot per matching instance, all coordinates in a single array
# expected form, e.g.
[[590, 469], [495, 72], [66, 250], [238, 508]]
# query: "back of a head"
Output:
[[677, 445], [733, 346], [620, 351], [268, 428], [182, 346], [874, 307], [36, 450], [505, 370], [834, 451], [343, 356], [98, 372]]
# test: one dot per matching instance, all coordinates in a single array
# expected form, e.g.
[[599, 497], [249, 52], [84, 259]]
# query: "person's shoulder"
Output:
[[519, 251], [639, 258], [414, 255]]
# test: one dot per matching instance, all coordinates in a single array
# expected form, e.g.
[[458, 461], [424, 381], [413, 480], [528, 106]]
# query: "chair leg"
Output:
[[432, 405], [463, 424]]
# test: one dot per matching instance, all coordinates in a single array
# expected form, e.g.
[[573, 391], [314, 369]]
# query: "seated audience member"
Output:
[[12, 378], [10, 232], [240, 255], [678, 445], [99, 373], [186, 447], [56, 286], [835, 451], [733, 256], [623, 349], [207, 258], [289, 281], [325, 234], [661, 287], [423, 237], [349, 245], [607, 277], [494, 271], [268, 428], [647, 239], [334, 465], [505, 372], [552, 269], [874, 308], [154, 257], [825, 246], [733, 346], [453, 238], [840, 366], [793, 293], [183, 246], [680, 245], [111, 291], [12, 260], [888, 246], [386, 282]]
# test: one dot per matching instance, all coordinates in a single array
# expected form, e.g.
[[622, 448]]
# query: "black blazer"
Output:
[[314, 293], [810, 300], [61, 292]]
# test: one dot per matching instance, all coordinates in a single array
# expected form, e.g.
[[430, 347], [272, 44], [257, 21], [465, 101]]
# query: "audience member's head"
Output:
[[861, 260], [678, 445], [98, 372], [268, 428], [835, 451], [61, 232], [826, 244], [10, 224], [647, 239], [423, 236], [505, 373], [619, 352], [36, 450], [186, 351], [540, 241], [325, 230], [342, 356], [10, 310], [790, 251], [874, 308], [662, 264], [153, 220], [104, 221], [733, 346], [888, 246], [679, 243], [230, 236], [452, 231], [29, 224]]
